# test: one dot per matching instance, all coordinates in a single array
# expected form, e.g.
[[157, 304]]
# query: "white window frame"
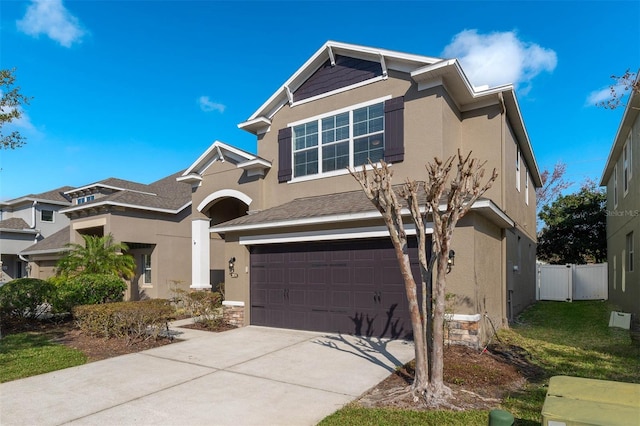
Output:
[[146, 269], [526, 186], [615, 186], [518, 168], [626, 165], [53, 216], [318, 118], [629, 244], [82, 200]]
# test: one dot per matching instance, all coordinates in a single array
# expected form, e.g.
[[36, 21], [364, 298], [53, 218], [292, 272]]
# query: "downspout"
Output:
[[33, 215]]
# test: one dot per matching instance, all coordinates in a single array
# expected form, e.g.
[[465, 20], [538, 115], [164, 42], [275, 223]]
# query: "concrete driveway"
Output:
[[247, 376]]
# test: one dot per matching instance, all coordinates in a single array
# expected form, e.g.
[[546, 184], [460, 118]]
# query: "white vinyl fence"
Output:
[[572, 282]]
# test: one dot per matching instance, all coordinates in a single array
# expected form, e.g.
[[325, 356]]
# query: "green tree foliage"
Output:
[[99, 255], [574, 227], [10, 104]]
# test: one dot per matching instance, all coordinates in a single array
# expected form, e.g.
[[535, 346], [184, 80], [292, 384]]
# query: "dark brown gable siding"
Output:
[[284, 155], [394, 130], [346, 72]]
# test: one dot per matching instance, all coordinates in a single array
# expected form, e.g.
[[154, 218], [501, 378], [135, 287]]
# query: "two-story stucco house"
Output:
[[25, 221], [297, 242], [621, 175], [153, 220]]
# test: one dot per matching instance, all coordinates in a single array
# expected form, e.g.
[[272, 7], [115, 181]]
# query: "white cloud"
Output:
[[207, 105], [50, 17], [605, 94], [499, 58]]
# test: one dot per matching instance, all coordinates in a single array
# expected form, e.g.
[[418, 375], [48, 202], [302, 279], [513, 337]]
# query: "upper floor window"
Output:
[[630, 251], [334, 142], [518, 168], [526, 186], [626, 165], [82, 200], [46, 215], [615, 186]]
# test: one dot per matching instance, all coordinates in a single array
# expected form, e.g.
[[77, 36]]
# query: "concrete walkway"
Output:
[[247, 376]]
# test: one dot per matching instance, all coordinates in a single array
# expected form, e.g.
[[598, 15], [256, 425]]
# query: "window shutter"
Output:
[[284, 155], [394, 130]]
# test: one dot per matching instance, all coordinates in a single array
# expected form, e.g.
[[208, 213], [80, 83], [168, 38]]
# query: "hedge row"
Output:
[[134, 321], [27, 298]]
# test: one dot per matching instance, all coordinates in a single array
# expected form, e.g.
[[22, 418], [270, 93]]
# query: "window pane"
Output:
[[370, 148], [305, 162], [335, 157]]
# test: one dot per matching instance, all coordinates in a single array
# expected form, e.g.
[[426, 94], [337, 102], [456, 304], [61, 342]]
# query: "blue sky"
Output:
[[139, 89]]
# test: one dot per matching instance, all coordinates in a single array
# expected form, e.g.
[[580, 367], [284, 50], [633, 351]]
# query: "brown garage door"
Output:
[[345, 287]]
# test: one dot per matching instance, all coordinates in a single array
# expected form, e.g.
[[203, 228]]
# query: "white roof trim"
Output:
[[32, 199], [626, 123], [212, 154], [326, 235], [481, 205], [20, 231], [47, 251], [88, 206], [101, 185]]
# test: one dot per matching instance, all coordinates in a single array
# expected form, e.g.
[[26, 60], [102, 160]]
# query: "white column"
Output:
[[200, 254]]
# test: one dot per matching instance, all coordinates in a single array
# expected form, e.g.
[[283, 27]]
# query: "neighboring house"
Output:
[[153, 220], [621, 175], [25, 221], [297, 242]]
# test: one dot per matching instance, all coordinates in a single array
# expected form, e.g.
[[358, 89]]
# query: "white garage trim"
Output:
[[326, 235]]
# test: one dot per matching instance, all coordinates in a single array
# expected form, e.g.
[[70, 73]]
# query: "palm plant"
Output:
[[98, 255]]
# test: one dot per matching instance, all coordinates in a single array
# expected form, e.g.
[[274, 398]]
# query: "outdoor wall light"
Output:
[[232, 267], [451, 261]]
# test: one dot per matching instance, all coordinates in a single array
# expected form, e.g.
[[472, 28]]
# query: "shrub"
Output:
[[25, 298], [203, 305], [134, 321], [86, 289]]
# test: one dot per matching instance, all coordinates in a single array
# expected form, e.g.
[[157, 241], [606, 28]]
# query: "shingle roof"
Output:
[[56, 195], [14, 223], [164, 194], [54, 242], [345, 206]]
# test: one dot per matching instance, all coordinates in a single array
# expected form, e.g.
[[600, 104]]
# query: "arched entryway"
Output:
[[208, 262]]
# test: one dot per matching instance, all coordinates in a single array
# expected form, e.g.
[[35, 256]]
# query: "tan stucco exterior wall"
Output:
[[623, 219]]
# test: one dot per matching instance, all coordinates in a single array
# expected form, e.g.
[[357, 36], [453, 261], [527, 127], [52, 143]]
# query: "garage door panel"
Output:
[[317, 297], [349, 287], [297, 276], [363, 275], [275, 296], [296, 297], [341, 299], [340, 276]]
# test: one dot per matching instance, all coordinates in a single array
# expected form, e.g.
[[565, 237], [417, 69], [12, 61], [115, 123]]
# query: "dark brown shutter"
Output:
[[394, 130], [284, 154]]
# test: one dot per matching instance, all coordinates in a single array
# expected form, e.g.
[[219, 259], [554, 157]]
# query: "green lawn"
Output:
[[28, 354], [562, 338]]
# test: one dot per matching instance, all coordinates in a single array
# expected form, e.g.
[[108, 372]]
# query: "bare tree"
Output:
[[553, 183], [444, 201], [624, 83]]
